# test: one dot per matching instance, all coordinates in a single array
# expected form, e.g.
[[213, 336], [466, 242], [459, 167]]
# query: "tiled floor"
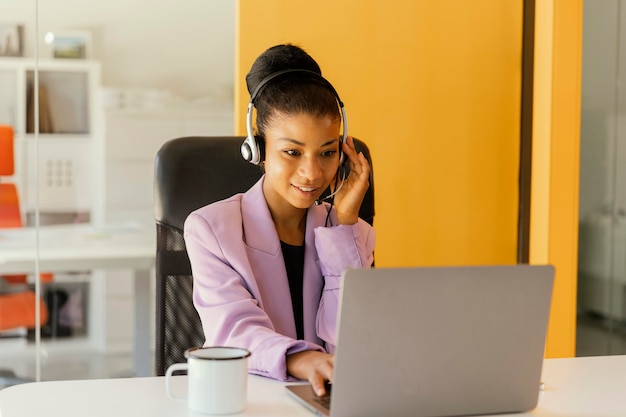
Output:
[[597, 336]]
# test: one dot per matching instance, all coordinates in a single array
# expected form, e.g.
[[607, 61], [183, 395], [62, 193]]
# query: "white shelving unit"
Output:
[[67, 155], [62, 170]]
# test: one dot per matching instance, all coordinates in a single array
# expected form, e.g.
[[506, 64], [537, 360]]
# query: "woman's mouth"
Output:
[[306, 190]]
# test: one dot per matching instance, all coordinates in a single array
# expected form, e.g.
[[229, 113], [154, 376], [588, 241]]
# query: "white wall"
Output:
[[186, 46]]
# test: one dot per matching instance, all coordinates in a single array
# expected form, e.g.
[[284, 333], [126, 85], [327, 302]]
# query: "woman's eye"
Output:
[[329, 153], [292, 152]]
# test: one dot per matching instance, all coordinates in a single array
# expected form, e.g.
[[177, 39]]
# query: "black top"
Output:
[[294, 263]]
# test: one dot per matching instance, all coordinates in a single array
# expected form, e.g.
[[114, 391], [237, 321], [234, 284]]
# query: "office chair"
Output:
[[192, 172]]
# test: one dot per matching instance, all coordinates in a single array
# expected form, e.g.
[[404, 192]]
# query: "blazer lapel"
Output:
[[266, 260], [268, 265]]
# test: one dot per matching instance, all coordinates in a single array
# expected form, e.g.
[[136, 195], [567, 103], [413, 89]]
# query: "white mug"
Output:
[[217, 379]]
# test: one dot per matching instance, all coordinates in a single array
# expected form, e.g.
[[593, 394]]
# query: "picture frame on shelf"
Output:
[[75, 44], [11, 40]]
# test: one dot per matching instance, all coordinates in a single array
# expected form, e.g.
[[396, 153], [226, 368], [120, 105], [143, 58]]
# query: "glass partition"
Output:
[[92, 93], [602, 227]]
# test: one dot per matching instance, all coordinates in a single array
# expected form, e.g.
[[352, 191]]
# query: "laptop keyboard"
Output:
[[325, 400]]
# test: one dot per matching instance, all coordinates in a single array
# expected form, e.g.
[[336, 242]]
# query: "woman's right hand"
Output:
[[316, 367], [349, 198]]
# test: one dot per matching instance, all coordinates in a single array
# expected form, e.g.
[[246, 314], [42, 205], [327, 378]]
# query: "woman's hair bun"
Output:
[[278, 58]]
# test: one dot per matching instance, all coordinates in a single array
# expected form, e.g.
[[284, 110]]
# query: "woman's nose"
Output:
[[310, 168]]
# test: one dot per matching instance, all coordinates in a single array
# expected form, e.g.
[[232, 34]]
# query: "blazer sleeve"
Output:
[[339, 248], [230, 314]]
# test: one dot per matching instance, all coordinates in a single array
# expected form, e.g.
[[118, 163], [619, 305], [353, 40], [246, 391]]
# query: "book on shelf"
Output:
[[45, 116]]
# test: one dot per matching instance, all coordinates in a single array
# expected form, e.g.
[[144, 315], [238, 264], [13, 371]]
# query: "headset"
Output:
[[251, 149]]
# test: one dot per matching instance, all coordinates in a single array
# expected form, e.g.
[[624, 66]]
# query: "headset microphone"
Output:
[[331, 195]]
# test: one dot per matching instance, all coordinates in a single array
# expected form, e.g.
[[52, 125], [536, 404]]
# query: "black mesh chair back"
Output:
[[192, 172]]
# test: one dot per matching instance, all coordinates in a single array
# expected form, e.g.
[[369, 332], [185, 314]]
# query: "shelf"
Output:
[[46, 137], [80, 277], [58, 172], [47, 64]]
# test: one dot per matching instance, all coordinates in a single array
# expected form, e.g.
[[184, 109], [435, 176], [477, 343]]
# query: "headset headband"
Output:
[[270, 77], [250, 149]]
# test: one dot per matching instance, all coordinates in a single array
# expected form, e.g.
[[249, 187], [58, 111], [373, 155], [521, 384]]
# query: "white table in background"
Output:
[[77, 247], [580, 387]]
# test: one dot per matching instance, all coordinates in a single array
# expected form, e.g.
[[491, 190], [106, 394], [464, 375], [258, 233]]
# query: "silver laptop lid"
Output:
[[441, 341]]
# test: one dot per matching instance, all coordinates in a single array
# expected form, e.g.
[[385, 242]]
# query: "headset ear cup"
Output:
[[249, 150]]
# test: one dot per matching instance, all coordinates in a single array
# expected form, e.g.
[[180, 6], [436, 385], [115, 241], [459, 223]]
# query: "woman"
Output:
[[267, 263]]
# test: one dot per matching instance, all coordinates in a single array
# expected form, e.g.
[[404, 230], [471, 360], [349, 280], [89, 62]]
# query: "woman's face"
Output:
[[301, 159]]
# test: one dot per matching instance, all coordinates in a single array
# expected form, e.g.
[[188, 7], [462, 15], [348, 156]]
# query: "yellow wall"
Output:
[[434, 89], [556, 151]]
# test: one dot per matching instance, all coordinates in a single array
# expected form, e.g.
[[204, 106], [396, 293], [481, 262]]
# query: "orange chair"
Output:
[[9, 202], [16, 309]]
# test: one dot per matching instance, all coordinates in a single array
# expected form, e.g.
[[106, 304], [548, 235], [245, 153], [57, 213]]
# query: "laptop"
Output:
[[438, 341]]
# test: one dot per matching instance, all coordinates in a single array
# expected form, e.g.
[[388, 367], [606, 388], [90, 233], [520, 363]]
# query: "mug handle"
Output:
[[173, 368]]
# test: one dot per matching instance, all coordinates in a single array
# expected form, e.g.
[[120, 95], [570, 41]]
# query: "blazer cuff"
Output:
[[275, 366], [337, 249]]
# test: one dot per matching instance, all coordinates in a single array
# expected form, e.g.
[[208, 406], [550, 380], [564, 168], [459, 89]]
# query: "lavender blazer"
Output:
[[241, 289]]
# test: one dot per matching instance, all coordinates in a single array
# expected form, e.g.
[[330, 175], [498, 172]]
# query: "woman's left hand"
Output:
[[349, 198]]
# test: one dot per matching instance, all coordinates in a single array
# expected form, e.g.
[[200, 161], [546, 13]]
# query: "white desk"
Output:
[[78, 247], [580, 387]]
